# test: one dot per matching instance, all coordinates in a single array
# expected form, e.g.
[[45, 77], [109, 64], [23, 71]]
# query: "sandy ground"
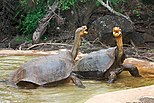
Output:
[[137, 95]]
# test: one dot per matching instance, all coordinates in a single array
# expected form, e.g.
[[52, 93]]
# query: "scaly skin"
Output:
[[78, 34], [118, 35]]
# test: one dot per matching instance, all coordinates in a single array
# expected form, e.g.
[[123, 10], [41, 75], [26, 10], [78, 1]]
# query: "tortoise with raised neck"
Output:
[[50, 70], [105, 63]]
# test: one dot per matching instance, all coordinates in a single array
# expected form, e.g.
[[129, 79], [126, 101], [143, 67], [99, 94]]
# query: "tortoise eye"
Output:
[[116, 29], [84, 27]]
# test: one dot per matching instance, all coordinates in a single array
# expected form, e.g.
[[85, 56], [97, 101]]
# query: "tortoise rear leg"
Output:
[[132, 69], [76, 80], [113, 75]]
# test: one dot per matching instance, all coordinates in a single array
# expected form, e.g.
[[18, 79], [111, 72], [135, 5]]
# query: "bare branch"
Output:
[[107, 2], [44, 22], [113, 11]]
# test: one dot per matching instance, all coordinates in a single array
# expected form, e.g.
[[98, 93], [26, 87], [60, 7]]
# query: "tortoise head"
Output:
[[117, 32], [118, 36], [82, 30]]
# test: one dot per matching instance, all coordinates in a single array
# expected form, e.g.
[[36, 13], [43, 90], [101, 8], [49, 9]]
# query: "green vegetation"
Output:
[[30, 21], [23, 38], [32, 11], [31, 18], [66, 4], [30, 15]]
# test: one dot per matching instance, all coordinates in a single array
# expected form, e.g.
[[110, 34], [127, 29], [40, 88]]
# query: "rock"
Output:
[[146, 99], [16, 41], [149, 39], [126, 96], [145, 68], [3, 45], [102, 28]]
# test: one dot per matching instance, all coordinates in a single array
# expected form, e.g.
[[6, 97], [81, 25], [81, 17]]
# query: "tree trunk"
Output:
[[44, 22]]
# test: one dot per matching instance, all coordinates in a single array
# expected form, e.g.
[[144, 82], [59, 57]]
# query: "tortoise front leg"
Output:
[[113, 75], [76, 80], [132, 69]]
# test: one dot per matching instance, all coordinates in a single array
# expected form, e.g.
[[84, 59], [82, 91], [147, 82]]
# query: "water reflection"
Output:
[[66, 93]]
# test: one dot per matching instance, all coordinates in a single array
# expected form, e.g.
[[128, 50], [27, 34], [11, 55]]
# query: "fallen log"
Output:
[[26, 53], [53, 44], [33, 53]]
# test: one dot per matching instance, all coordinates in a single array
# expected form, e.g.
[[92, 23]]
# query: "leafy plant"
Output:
[[66, 4], [31, 20], [137, 11], [23, 39], [31, 17]]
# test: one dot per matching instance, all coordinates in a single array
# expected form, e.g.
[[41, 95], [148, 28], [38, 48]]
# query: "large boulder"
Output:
[[102, 28], [137, 95]]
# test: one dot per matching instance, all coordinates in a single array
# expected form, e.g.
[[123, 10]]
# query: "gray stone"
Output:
[[102, 29]]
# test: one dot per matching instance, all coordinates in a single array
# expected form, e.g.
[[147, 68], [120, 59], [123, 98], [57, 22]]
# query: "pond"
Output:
[[66, 93]]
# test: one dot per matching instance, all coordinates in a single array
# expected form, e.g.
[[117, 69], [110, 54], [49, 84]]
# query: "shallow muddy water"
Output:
[[66, 93]]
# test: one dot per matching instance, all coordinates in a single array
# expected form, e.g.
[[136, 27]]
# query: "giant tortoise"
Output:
[[105, 63], [49, 70]]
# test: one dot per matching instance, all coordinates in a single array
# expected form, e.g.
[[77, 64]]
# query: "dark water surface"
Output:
[[67, 93]]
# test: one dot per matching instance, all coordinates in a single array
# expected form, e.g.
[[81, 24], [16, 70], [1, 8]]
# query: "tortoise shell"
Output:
[[46, 69], [96, 61], [97, 64]]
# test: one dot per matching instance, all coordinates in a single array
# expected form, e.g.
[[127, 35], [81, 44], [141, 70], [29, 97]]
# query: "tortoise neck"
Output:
[[76, 45], [120, 48]]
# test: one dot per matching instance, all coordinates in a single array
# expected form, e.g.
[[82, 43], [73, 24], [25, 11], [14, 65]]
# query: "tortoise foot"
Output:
[[76, 80], [135, 72], [112, 77], [110, 81], [132, 70]]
